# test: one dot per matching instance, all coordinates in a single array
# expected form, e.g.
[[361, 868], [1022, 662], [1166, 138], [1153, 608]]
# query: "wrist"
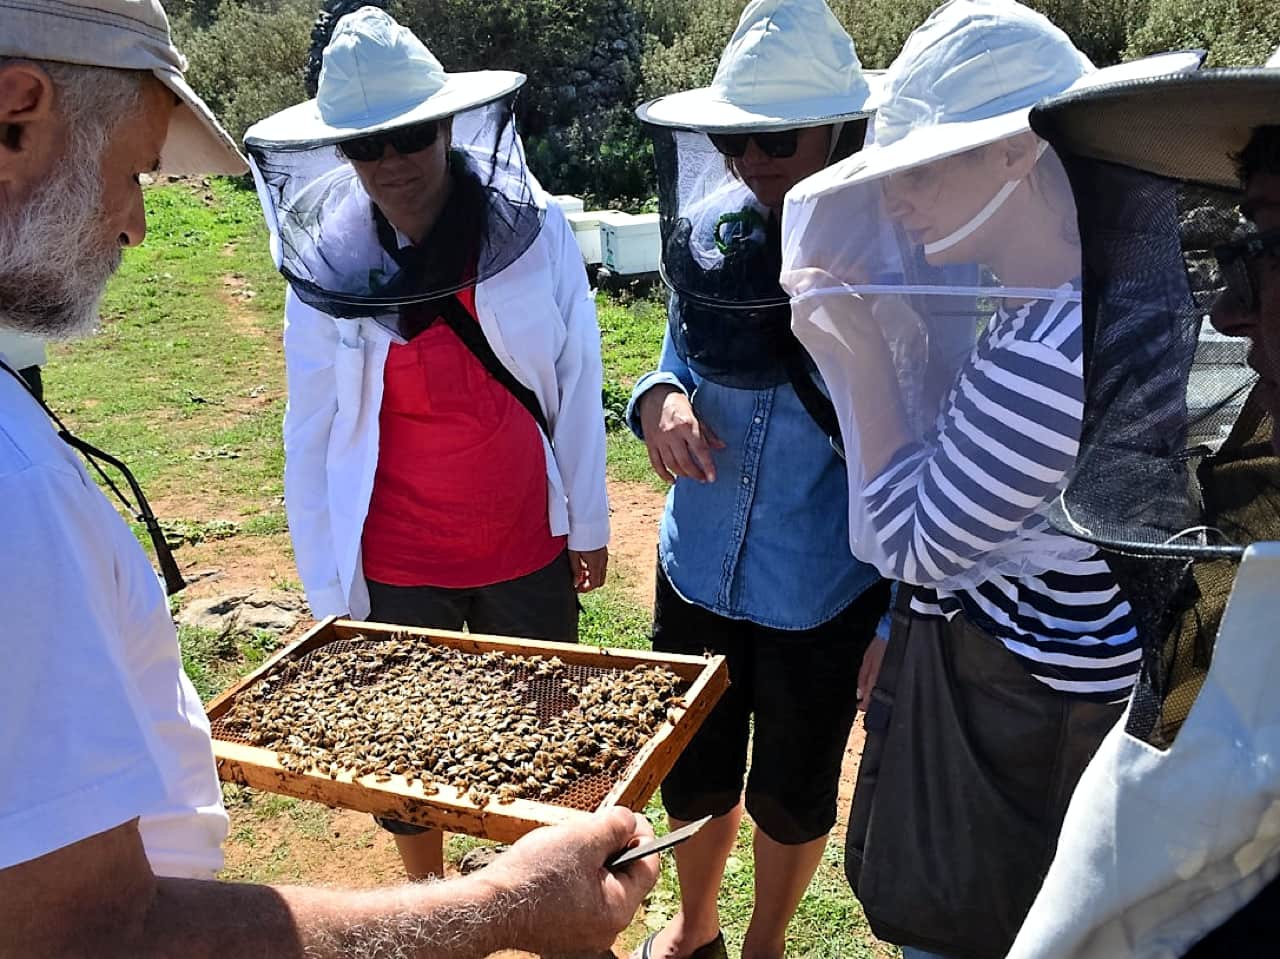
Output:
[[476, 915], [653, 398], [498, 897]]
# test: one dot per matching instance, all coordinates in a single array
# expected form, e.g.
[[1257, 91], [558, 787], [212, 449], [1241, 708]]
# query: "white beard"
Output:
[[55, 259]]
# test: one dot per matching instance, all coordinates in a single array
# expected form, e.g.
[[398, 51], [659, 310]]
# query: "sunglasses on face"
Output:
[[778, 145], [404, 140], [1238, 263]]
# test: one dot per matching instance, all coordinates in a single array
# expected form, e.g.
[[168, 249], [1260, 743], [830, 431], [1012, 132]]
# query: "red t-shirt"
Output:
[[460, 493]]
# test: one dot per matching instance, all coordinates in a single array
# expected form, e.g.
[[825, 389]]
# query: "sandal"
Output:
[[715, 949]]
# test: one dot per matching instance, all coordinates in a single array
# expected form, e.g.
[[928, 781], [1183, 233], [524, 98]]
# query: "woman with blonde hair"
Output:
[[1015, 648]]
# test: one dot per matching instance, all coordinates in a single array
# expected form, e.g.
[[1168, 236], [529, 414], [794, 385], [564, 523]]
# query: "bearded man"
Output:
[[111, 820]]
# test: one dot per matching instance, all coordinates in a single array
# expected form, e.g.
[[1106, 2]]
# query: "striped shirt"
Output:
[[1008, 434]]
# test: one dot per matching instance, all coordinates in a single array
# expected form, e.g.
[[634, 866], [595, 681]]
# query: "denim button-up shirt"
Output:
[[768, 541]]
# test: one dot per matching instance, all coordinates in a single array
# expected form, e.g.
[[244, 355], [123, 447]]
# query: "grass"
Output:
[[186, 384], [611, 618], [213, 660], [630, 335], [187, 368]]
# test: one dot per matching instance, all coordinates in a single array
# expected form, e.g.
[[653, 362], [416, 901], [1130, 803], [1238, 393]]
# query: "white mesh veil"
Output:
[[328, 241], [958, 394]]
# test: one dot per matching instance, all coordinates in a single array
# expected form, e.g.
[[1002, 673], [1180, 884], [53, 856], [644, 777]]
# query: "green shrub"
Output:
[[685, 45], [582, 58], [590, 62], [1235, 32], [1100, 28], [880, 27], [250, 60], [546, 39], [604, 157]]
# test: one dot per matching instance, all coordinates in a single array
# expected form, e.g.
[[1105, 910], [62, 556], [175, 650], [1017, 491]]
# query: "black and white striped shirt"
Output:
[[1008, 435]]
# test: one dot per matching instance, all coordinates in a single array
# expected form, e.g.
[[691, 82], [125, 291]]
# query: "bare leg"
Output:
[[422, 854], [782, 876], [700, 866]]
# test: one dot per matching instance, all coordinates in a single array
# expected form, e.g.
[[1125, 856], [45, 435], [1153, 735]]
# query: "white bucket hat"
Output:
[[969, 76], [124, 35], [378, 76], [789, 64]]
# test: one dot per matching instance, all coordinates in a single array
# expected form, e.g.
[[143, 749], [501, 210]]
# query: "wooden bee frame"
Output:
[[447, 809]]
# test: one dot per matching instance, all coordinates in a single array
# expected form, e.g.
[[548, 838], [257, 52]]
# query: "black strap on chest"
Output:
[[815, 402], [465, 327], [139, 508]]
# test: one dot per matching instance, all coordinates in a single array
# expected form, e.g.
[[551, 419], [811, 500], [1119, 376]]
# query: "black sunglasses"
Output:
[[403, 140], [1238, 263], [139, 508], [778, 145]]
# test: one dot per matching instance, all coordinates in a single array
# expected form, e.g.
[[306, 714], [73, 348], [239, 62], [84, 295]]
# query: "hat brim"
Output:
[[196, 144], [927, 144], [302, 126], [702, 110], [1188, 127]]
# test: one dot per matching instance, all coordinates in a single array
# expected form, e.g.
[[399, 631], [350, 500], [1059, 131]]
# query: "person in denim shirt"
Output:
[[753, 561], [753, 523]]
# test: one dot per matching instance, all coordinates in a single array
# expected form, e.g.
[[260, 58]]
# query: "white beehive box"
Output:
[[568, 203], [586, 230], [630, 245]]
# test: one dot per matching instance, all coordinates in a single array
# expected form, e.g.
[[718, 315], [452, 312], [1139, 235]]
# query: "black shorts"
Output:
[[540, 605], [801, 688]]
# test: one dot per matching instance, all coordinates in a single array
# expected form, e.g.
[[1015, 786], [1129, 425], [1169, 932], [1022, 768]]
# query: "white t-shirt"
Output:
[[98, 723]]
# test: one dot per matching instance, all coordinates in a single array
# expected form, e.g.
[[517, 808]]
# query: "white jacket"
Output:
[[538, 315]]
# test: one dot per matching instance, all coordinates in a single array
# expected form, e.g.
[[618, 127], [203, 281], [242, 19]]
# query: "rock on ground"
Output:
[[272, 610]]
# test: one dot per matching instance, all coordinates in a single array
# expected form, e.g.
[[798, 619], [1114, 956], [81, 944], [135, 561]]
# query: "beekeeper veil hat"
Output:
[[790, 65], [875, 254], [329, 240]]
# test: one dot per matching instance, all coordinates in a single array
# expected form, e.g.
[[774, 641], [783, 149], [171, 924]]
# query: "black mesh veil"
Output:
[[1163, 389], [341, 256], [729, 319], [1176, 475]]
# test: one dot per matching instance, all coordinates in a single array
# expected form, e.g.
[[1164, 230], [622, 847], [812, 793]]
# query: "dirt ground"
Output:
[[338, 847], [635, 511]]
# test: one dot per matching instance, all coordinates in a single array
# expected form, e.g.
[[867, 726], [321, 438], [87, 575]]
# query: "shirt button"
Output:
[[746, 481], [758, 420]]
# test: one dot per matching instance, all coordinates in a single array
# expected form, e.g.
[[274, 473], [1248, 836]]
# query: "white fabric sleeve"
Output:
[[310, 348], [73, 747], [578, 429]]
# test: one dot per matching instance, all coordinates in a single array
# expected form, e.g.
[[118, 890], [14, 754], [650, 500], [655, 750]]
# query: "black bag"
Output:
[[968, 768]]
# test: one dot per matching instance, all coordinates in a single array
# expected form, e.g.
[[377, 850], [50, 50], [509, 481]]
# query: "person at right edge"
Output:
[[1170, 846], [751, 549], [1013, 648]]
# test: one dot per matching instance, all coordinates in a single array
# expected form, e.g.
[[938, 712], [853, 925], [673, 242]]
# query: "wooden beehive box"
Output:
[[702, 682]]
